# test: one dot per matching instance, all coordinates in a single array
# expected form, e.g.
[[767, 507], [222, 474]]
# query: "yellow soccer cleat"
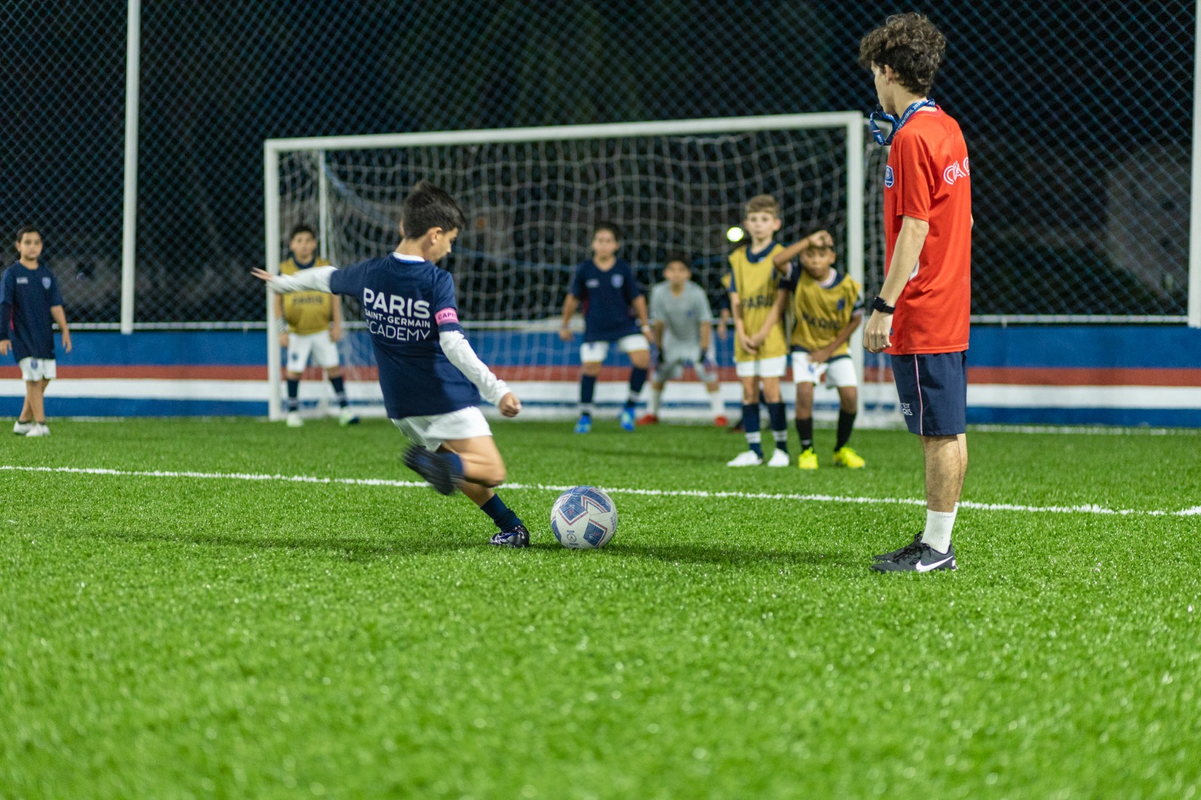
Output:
[[846, 457], [807, 459]]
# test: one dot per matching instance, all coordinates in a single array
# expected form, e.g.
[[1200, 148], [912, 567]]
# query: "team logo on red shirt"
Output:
[[889, 180], [955, 172]]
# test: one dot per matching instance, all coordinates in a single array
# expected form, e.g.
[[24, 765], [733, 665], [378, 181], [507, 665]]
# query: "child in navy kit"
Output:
[[430, 376], [614, 311], [29, 300]]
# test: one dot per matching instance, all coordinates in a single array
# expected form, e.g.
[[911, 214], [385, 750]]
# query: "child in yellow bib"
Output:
[[827, 307], [760, 347], [310, 324]]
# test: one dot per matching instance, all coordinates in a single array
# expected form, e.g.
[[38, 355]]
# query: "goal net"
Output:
[[531, 198]]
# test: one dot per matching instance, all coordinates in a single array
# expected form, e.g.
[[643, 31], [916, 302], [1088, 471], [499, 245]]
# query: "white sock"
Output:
[[715, 403], [656, 400], [938, 529]]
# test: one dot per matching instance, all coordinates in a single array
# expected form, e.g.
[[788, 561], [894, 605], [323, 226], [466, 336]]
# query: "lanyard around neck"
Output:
[[881, 114]]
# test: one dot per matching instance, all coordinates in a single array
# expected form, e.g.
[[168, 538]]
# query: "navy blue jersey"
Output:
[[407, 302], [26, 297], [606, 296]]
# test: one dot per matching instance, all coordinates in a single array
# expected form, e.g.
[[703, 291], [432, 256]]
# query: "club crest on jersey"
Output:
[[45, 283], [842, 303], [889, 180], [955, 172], [618, 280]]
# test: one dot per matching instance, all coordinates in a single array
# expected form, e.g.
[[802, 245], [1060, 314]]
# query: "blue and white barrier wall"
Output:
[[1110, 375]]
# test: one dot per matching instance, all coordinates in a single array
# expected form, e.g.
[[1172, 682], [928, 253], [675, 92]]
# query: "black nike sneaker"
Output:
[[918, 557], [435, 469], [889, 556], [516, 537]]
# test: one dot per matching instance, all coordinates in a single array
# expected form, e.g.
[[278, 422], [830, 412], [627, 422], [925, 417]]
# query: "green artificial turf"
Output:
[[227, 637]]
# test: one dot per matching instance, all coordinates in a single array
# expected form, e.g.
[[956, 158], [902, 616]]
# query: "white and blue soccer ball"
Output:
[[583, 518]]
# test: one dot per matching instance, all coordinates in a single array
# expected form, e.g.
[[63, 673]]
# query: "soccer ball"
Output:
[[583, 518]]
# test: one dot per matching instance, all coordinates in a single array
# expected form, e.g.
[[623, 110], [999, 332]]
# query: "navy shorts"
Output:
[[932, 388]]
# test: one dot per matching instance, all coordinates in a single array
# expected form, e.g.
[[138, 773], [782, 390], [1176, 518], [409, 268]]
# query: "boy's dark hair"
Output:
[[302, 228], [911, 45], [24, 229], [606, 225], [683, 259], [426, 207]]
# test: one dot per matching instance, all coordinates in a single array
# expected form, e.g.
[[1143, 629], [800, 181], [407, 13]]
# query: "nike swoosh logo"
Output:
[[927, 567]]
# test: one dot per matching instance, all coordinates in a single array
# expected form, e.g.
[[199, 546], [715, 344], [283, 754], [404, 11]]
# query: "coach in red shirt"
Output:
[[922, 314]]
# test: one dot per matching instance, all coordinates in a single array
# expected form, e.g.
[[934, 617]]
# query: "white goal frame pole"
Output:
[[1194, 239], [129, 212], [271, 264], [856, 156], [325, 240]]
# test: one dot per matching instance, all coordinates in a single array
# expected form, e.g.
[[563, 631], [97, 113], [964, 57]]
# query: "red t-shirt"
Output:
[[927, 178]]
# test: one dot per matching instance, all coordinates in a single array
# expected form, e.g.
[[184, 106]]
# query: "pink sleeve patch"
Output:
[[446, 315]]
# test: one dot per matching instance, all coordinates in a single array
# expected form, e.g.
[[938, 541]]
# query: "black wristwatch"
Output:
[[884, 308]]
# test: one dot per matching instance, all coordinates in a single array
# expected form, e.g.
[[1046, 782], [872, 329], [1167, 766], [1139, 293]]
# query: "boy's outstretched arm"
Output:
[[639, 304], [823, 353], [6, 313], [309, 280], [460, 353], [815, 239], [61, 318], [570, 304], [773, 318]]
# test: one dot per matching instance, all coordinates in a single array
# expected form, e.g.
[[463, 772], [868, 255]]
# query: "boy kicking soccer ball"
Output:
[[609, 292], [828, 307], [430, 376], [682, 327]]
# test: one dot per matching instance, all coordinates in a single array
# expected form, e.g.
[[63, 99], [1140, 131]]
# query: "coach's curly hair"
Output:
[[911, 45]]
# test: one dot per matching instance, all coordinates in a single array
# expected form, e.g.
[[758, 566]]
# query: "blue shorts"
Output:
[[932, 388]]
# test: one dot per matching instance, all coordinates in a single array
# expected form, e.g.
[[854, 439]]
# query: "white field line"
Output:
[[698, 493], [1094, 430]]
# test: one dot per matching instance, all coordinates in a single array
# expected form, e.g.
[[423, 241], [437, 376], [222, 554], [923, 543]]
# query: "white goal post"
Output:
[[332, 196]]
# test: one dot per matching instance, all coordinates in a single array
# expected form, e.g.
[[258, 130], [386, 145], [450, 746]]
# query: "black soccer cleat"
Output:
[[516, 537], [435, 469], [889, 556], [918, 557]]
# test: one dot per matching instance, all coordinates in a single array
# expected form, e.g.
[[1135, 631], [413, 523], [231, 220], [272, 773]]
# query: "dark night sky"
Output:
[[1061, 85]]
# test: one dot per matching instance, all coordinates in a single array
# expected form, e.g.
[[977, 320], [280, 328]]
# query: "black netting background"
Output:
[[1077, 117]]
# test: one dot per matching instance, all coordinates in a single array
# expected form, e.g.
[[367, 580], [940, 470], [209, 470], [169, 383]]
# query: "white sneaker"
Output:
[[38, 430], [779, 459], [746, 458], [294, 420], [22, 428], [348, 417]]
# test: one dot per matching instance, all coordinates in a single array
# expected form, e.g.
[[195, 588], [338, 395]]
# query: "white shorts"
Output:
[[672, 362], [435, 430], [35, 369], [839, 371], [762, 367], [325, 352], [598, 351]]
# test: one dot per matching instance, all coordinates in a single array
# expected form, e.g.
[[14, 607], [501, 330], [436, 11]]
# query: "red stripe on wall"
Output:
[[1084, 376], [1014, 376]]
